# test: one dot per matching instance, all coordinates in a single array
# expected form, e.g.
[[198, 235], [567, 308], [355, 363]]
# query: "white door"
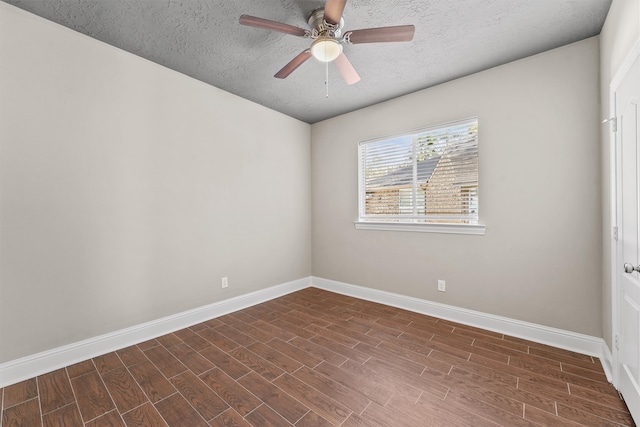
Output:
[[626, 96]]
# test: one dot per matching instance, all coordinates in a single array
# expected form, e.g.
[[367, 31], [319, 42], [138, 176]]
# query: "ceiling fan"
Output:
[[326, 32]]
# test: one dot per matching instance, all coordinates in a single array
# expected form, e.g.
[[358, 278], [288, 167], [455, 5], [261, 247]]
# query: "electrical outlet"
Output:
[[442, 287], [225, 282]]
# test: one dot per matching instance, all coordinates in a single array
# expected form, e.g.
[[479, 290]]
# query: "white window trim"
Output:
[[472, 229]]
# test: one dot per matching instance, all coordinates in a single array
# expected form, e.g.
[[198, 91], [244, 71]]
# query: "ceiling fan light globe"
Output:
[[326, 49]]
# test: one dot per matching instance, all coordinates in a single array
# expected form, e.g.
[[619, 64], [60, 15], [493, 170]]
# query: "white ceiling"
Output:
[[203, 39]]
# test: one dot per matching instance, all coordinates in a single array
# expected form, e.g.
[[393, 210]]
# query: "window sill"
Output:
[[478, 230]]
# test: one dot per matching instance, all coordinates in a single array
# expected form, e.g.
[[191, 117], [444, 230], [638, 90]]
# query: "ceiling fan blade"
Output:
[[268, 24], [402, 33], [333, 11], [349, 74], [293, 64]]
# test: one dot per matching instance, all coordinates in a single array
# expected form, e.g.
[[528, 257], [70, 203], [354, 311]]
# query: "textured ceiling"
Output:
[[203, 39]]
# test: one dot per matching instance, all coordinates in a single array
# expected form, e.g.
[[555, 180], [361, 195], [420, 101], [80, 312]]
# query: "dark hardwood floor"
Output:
[[315, 358]]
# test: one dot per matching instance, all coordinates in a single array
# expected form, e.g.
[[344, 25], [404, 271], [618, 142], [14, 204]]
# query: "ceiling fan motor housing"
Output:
[[320, 28]]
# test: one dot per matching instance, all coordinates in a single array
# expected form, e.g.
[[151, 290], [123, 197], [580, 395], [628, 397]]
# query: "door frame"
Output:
[[614, 177]]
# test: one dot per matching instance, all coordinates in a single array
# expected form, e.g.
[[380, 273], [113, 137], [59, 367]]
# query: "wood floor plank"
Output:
[[323, 316], [476, 368], [590, 419], [387, 417], [123, 389], [165, 361], [272, 355], [354, 401], [476, 391], [225, 362], [372, 329], [169, 340], [458, 415], [23, 414], [426, 413], [152, 382], [147, 344], [107, 362], [568, 357], [311, 419], [389, 356], [81, 368], [360, 337], [425, 320], [67, 416], [334, 337], [213, 323], [258, 364], [288, 407], [273, 330], [584, 372], [477, 333], [486, 410], [264, 416], [453, 343], [229, 418], [236, 396], [55, 390], [497, 348], [612, 401], [217, 339], [197, 327], [325, 406], [356, 420], [336, 347], [190, 358], [295, 353], [110, 419], [252, 331], [310, 316], [131, 355], [581, 409], [92, 396], [239, 316], [392, 384], [386, 369], [20, 392], [192, 339], [235, 335], [538, 400], [208, 404], [298, 331], [321, 352], [144, 416], [545, 418], [367, 386], [347, 312], [177, 412]]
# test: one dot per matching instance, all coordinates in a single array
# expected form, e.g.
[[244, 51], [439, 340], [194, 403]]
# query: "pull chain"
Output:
[[326, 78]]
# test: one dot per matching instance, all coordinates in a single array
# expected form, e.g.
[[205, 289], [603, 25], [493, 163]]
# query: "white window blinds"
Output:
[[427, 176]]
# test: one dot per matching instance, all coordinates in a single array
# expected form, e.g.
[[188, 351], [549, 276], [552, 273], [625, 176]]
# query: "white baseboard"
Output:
[[573, 341], [30, 366], [606, 358], [47, 361]]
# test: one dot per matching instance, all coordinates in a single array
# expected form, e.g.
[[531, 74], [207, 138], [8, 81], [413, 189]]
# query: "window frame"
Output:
[[411, 224]]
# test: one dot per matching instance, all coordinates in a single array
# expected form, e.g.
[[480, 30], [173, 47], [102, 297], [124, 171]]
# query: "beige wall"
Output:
[[540, 260], [620, 32], [128, 190]]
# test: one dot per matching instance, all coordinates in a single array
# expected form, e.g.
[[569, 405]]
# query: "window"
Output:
[[425, 177]]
